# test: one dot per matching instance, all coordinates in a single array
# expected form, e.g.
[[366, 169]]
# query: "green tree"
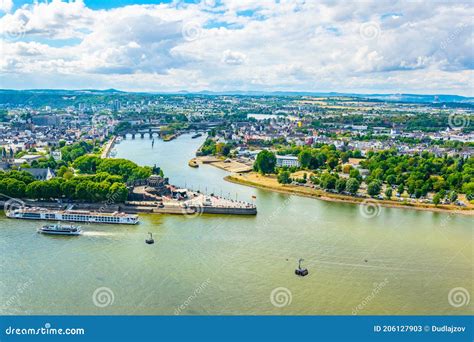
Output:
[[226, 150], [304, 158], [391, 179], [37, 190], [61, 171], [15, 188], [127, 169], [373, 189], [388, 193], [328, 181], [118, 192], [352, 186], [401, 189], [418, 193], [284, 177], [74, 151], [332, 162], [436, 199], [354, 173], [340, 185], [68, 189], [468, 188], [265, 162], [87, 163]]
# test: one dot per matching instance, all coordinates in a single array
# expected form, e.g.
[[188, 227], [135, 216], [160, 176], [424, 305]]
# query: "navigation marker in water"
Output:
[[150, 240], [301, 271]]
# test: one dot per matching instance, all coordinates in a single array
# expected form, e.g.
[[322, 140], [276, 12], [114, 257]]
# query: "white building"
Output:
[[287, 161], [57, 155]]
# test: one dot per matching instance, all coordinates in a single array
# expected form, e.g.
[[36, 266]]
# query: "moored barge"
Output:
[[72, 216]]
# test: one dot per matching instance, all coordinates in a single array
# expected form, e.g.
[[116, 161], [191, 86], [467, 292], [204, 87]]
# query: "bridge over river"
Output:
[[144, 130]]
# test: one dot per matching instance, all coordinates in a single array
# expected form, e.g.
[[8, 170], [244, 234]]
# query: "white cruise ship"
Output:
[[72, 216]]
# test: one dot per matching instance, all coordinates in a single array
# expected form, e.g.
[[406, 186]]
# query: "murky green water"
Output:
[[396, 262]]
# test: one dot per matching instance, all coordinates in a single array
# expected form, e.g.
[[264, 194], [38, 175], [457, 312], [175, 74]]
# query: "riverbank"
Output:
[[108, 147], [256, 180]]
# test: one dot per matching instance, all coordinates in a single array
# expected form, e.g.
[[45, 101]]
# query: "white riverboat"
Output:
[[60, 229], [72, 216]]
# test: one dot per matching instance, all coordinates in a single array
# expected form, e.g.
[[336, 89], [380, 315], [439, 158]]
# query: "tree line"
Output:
[[417, 175], [98, 179], [94, 188]]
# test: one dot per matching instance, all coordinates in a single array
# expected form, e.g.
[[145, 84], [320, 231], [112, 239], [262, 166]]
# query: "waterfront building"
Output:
[[288, 161]]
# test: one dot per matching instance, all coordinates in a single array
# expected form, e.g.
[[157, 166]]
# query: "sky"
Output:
[[385, 46]]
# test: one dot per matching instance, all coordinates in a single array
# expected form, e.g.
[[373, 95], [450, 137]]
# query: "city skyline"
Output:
[[225, 46]]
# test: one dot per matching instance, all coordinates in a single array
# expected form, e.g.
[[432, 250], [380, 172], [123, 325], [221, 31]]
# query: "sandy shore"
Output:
[[230, 166], [270, 183]]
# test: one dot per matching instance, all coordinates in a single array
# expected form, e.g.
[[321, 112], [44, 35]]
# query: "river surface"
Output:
[[386, 261]]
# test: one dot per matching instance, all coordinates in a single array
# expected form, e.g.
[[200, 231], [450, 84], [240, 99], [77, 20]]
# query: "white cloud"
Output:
[[6, 5], [267, 45], [233, 57], [55, 20]]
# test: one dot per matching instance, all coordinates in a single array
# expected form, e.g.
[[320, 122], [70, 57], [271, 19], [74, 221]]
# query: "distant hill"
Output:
[[61, 91], [62, 97], [383, 97], [418, 98]]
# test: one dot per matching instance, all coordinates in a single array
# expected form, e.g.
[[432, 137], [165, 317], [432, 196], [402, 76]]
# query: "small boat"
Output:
[[193, 163], [59, 229], [196, 136]]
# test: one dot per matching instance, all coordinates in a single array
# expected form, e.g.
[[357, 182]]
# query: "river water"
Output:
[[385, 261]]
